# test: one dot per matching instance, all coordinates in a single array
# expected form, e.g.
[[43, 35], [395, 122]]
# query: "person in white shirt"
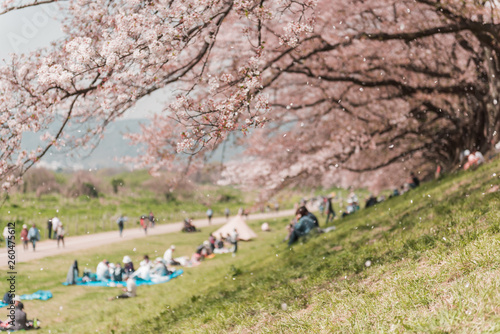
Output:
[[6, 235], [144, 270], [55, 225], [130, 291], [169, 256], [60, 234], [102, 270]]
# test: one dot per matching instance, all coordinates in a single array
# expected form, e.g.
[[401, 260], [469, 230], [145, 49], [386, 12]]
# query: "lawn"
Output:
[[424, 262]]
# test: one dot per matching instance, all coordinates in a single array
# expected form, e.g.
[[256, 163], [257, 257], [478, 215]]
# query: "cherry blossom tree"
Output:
[[315, 87]]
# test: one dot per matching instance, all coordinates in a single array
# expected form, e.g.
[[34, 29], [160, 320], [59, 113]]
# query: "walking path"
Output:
[[49, 247]]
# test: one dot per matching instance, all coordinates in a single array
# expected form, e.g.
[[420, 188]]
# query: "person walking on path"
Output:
[[144, 224], [330, 212], [151, 219], [6, 235], [34, 235], [210, 213], [60, 234], [226, 212], [121, 223], [24, 236], [49, 228], [55, 224]]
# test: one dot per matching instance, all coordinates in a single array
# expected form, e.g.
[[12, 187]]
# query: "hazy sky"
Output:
[[31, 28]]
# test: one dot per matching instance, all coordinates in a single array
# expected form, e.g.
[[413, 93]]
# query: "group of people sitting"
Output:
[[115, 272], [217, 245], [147, 269], [473, 159]]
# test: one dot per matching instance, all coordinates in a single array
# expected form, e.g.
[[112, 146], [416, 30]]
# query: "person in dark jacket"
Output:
[[415, 182], [49, 228], [20, 318], [330, 213], [303, 226], [73, 273], [128, 265]]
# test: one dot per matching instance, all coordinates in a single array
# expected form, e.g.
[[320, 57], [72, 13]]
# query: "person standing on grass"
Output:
[[234, 241], [121, 224], [211, 239], [60, 234], [330, 213], [210, 213], [226, 213]]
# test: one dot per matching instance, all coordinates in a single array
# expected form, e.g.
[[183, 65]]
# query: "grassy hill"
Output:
[[425, 262]]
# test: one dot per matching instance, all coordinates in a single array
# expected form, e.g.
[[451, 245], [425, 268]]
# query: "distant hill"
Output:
[[110, 150], [106, 155]]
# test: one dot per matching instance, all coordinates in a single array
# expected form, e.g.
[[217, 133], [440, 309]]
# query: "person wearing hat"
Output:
[[169, 256], [20, 317], [24, 236], [128, 265], [129, 291]]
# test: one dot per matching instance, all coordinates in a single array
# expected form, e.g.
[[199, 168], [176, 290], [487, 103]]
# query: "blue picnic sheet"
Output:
[[138, 281], [40, 294]]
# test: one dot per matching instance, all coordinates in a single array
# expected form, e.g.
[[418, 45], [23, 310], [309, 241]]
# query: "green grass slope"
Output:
[[427, 262], [424, 262]]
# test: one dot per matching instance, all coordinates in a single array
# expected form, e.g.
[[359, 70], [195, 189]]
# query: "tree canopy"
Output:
[[317, 87]]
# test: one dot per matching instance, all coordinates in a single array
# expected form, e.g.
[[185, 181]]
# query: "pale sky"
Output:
[[31, 28]]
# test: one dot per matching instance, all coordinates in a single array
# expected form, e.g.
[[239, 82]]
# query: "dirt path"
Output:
[[49, 247]]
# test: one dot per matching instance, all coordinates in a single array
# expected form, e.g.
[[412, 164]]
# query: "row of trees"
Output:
[[318, 88]]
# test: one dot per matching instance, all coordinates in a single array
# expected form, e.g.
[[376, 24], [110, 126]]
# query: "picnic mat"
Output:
[[40, 294], [138, 281]]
